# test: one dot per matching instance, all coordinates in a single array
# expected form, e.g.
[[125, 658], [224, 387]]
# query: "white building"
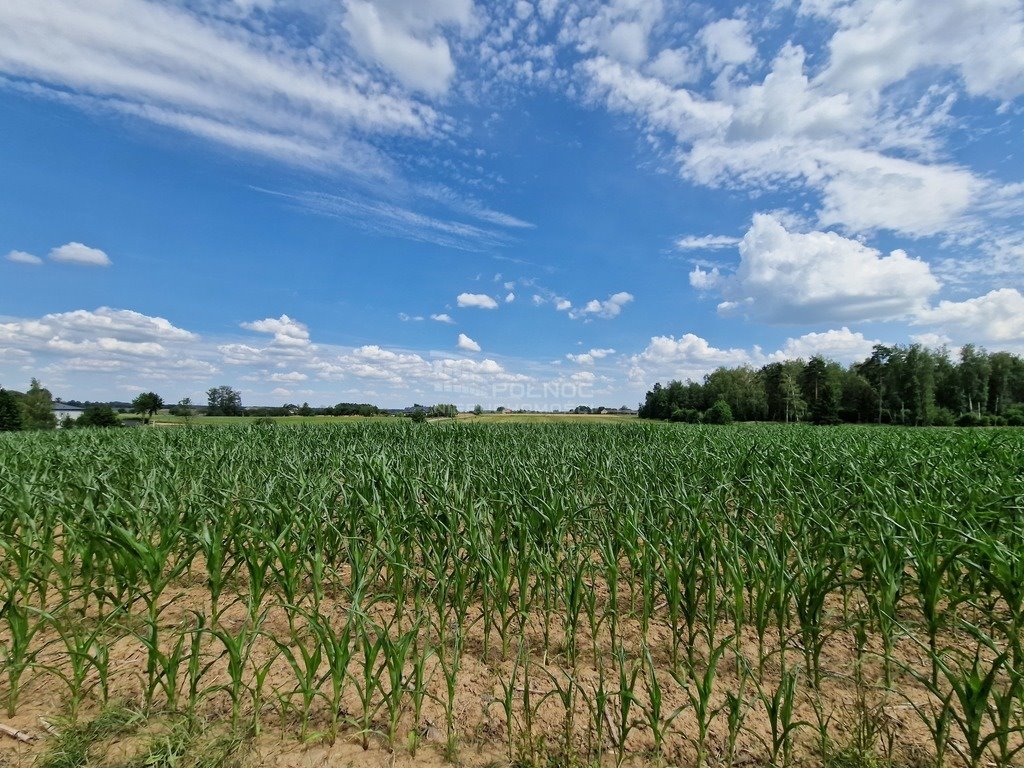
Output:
[[60, 411]]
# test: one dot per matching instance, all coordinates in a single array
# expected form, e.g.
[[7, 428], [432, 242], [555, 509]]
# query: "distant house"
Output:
[[61, 411]]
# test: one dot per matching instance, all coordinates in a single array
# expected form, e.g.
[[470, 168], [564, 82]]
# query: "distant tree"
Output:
[[10, 413], [418, 415], [500, 409], [858, 397], [478, 409], [224, 401], [98, 416], [37, 408], [789, 389], [184, 410], [741, 388], [444, 410], [305, 410], [355, 409], [718, 413], [147, 404], [822, 390], [918, 385], [1006, 375], [975, 369]]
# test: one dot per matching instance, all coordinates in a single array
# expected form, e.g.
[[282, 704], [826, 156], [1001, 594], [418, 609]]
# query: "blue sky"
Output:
[[532, 203]]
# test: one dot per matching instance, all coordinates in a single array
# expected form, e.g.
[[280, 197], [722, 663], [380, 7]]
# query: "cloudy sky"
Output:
[[533, 203]]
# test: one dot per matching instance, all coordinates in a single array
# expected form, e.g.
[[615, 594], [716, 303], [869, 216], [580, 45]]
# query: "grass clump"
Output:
[[123, 737]]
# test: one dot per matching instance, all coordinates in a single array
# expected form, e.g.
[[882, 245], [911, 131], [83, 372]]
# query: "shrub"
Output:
[[10, 413], [1015, 416], [97, 416], [685, 415], [719, 413]]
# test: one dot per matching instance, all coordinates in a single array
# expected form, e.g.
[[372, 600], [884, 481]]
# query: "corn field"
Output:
[[563, 594]]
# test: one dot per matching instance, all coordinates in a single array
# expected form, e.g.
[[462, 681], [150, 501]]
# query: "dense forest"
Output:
[[909, 385]]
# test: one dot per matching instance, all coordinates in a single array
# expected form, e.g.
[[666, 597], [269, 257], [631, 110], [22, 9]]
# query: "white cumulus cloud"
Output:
[[291, 377], [793, 277], [588, 358], [467, 343], [842, 345], [21, 257], [77, 253], [998, 316], [727, 41], [880, 42], [477, 300], [608, 308], [286, 331], [403, 36]]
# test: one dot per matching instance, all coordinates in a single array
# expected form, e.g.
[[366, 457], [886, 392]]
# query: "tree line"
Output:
[[34, 409], [908, 385]]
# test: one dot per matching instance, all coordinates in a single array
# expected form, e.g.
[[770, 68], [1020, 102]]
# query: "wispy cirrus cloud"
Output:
[[393, 219], [705, 242], [213, 77]]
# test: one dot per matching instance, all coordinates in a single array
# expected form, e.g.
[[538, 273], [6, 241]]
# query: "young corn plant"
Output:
[[213, 543], [399, 648], [449, 659], [368, 683], [337, 645], [88, 651], [814, 580], [933, 566], [975, 695], [163, 667], [699, 687], [780, 706], [626, 700], [657, 719], [19, 653], [416, 688], [305, 661], [882, 567], [736, 708], [565, 688], [508, 704], [237, 649]]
